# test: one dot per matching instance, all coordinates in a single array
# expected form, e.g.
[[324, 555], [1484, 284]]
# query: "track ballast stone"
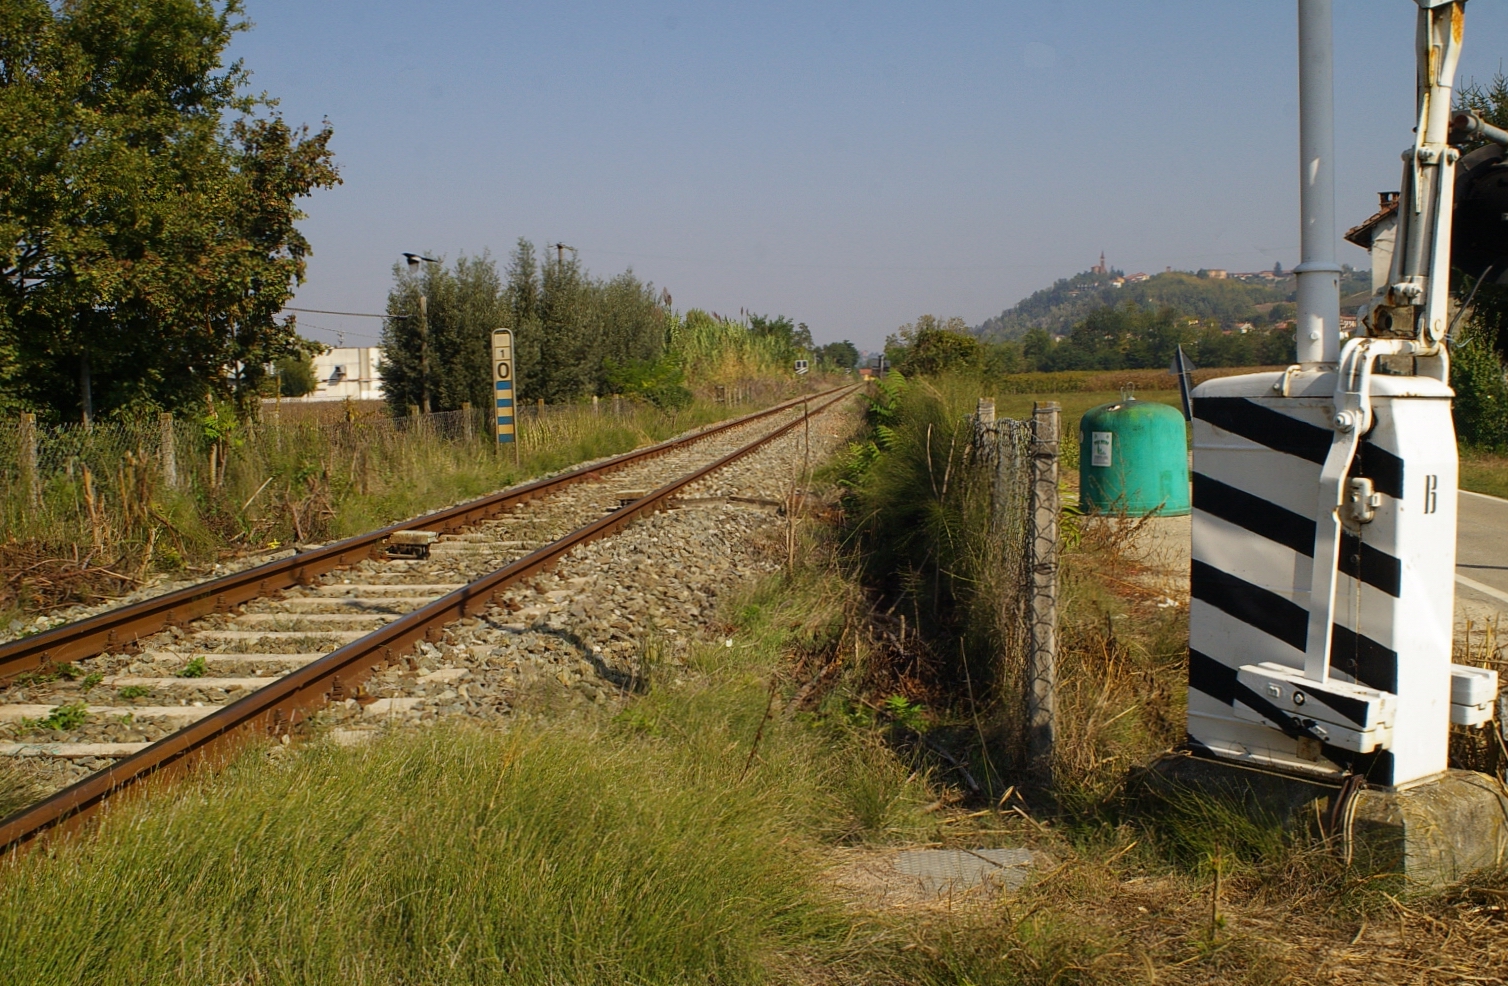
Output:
[[613, 612]]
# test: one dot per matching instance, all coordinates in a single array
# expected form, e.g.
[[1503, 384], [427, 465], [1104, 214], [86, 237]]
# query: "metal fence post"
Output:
[[167, 449], [1042, 652], [29, 477]]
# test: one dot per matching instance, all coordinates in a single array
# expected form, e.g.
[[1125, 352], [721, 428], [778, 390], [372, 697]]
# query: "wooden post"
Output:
[[617, 406], [1042, 608], [596, 406], [466, 417], [29, 477], [167, 449]]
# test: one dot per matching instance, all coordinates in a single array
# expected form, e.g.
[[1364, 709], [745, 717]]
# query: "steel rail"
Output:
[[122, 627], [284, 703]]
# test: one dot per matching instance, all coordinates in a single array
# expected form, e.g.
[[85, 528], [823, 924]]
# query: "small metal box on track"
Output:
[[410, 544]]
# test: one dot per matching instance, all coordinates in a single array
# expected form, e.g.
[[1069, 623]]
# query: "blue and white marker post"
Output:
[[503, 379]]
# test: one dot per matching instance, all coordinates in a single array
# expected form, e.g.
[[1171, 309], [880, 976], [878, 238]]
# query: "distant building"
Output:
[[348, 372], [1137, 278], [1377, 235], [1100, 267], [1216, 274]]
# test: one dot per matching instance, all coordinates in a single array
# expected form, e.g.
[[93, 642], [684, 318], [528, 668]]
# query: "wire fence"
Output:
[[1016, 564]]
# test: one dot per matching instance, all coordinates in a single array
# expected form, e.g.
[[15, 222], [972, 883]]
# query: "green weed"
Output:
[[193, 669], [911, 715], [63, 717], [134, 691]]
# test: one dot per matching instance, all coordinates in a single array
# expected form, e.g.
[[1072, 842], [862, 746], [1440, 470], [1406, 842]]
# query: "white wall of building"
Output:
[[348, 372]]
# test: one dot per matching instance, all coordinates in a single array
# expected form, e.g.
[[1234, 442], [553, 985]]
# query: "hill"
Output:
[[1069, 301]]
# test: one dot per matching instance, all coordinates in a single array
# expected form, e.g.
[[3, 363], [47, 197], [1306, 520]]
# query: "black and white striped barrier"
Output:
[[1382, 700]]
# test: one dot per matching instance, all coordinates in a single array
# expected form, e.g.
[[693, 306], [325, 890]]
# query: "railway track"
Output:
[[255, 653]]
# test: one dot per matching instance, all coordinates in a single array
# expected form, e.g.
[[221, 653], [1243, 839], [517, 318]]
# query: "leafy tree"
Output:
[[147, 208], [662, 382], [929, 345], [1481, 405], [1130, 336], [839, 355], [1490, 306], [295, 376]]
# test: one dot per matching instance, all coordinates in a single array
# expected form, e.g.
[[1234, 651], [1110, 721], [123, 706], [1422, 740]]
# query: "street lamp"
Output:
[[414, 260]]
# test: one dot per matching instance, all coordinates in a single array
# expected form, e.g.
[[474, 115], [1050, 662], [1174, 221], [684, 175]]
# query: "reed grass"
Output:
[[720, 351]]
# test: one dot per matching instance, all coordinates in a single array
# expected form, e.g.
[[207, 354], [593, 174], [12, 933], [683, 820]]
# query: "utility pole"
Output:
[[423, 353], [414, 260], [560, 249]]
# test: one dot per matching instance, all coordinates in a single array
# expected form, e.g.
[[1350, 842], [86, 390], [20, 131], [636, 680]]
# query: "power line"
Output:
[[325, 311]]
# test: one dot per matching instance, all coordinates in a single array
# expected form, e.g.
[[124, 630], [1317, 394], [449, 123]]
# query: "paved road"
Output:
[[1481, 556], [1482, 553]]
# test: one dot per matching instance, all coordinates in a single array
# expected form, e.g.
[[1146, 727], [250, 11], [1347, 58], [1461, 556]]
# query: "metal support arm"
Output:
[[1353, 419]]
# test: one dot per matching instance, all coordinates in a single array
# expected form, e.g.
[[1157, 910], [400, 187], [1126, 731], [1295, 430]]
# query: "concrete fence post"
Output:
[[29, 477], [1042, 608], [167, 450], [466, 420]]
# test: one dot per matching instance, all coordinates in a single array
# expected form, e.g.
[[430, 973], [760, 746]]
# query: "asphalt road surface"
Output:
[[1482, 555], [1481, 558]]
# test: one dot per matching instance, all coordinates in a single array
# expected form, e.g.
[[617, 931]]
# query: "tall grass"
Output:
[[942, 542], [721, 351], [943, 533], [456, 855], [649, 848]]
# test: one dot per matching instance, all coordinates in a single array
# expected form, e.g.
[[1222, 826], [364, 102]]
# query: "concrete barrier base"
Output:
[[1433, 832]]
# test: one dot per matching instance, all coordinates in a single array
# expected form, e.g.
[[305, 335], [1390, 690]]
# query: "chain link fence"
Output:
[[1016, 565]]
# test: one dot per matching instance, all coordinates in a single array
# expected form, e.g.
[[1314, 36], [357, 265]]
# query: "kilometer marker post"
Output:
[[504, 380]]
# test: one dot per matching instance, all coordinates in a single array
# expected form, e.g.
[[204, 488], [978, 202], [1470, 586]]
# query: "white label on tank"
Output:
[[1099, 447]]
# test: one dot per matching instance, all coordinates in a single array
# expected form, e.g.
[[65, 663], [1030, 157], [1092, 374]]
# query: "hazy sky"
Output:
[[849, 165]]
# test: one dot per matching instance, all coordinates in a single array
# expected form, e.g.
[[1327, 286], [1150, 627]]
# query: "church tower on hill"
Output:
[[1100, 267]]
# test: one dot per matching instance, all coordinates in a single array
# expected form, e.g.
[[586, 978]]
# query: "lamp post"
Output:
[[414, 260]]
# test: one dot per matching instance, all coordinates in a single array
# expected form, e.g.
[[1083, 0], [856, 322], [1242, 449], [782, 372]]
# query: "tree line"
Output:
[[147, 210], [1128, 336], [575, 335]]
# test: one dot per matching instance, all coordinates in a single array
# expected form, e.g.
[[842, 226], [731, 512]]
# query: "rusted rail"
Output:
[[122, 627], [283, 704]]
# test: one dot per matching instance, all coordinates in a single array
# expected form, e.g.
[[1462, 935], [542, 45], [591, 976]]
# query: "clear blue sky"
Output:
[[849, 165]]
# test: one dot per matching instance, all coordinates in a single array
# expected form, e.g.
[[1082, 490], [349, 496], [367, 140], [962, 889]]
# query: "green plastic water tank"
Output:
[[1134, 458]]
